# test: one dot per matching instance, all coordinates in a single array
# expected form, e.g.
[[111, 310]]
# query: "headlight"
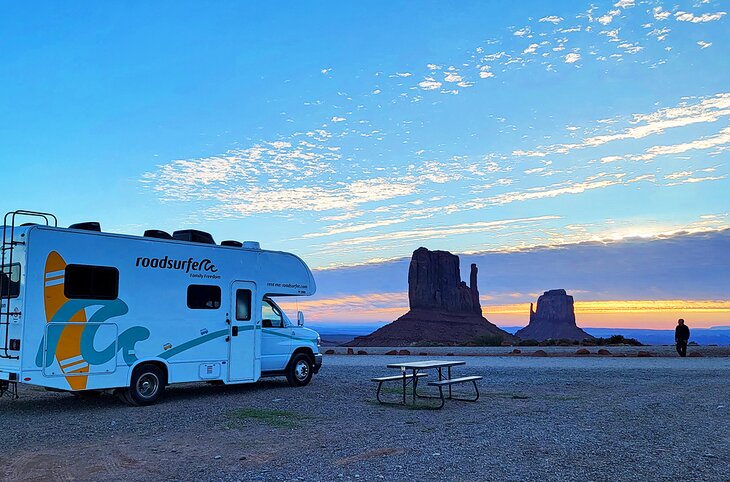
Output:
[[319, 341]]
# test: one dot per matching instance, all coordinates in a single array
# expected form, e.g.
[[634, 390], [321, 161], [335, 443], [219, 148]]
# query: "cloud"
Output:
[[660, 34], [703, 44], [709, 142], [429, 83], [678, 175], [452, 77], [552, 19], [337, 119], [531, 49], [705, 17], [695, 180], [550, 191], [709, 109], [607, 159], [433, 232], [267, 163], [624, 4], [630, 48], [484, 72], [353, 228], [253, 200], [661, 14], [572, 58]]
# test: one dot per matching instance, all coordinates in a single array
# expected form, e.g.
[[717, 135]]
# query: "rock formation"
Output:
[[554, 319], [434, 283], [443, 309]]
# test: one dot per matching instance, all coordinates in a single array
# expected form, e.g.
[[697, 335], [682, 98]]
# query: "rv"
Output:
[[87, 311]]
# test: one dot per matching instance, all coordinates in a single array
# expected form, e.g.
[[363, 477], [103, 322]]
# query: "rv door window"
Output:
[[270, 315], [10, 281], [204, 297], [243, 305], [91, 282]]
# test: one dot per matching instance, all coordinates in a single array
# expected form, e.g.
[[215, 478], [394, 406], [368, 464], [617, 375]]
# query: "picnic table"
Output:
[[416, 369]]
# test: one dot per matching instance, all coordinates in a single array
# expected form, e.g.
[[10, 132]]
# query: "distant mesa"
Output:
[[554, 319], [443, 309]]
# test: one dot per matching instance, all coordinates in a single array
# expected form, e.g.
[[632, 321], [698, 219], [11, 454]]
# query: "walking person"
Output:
[[681, 336]]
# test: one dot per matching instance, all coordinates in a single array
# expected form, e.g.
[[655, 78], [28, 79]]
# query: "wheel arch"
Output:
[[302, 349], [158, 362]]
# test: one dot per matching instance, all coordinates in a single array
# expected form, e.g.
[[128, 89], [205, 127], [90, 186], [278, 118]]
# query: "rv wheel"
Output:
[[146, 387], [299, 372]]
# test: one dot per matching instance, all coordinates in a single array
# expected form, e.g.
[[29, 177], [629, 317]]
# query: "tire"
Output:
[[299, 371], [146, 387]]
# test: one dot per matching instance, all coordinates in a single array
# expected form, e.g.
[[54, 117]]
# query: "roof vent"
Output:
[[194, 236], [156, 233], [89, 226], [235, 244], [251, 245]]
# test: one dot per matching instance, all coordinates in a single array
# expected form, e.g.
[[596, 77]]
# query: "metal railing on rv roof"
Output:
[[8, 246]]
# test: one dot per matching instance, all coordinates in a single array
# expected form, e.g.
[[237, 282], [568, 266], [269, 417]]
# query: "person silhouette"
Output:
[[681, 336]]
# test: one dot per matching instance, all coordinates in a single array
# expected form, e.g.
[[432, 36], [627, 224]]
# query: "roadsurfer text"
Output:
[[187, 265]]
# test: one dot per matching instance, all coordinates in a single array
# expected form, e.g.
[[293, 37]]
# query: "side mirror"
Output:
[[300, 318]]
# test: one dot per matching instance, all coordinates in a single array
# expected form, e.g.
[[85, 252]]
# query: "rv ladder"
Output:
[[8, 245]]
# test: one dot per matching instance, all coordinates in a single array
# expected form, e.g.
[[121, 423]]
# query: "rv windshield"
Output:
[[10, 281]]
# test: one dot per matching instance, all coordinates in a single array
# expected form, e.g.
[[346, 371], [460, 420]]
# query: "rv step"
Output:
[[9, 388]]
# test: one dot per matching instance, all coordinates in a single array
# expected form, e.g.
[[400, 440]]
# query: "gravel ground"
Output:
[[555, 418]]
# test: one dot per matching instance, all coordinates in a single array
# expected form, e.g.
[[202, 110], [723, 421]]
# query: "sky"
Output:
[[351, 133]]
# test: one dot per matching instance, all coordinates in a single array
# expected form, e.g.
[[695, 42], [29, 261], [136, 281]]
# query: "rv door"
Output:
[[244, 352]]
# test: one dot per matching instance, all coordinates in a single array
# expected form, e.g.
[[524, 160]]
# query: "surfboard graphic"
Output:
[[68, 350]]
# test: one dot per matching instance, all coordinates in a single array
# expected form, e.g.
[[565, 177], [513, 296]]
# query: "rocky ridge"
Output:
[[554, 319], [443, 308]]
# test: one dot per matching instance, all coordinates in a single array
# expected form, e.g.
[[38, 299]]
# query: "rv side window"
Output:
[[270, 315], [10, 281], [204, 297], [243, 305], [91, 282]]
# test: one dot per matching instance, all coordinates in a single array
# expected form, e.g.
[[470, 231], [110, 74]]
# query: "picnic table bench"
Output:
[[406, 378], [415, 374]]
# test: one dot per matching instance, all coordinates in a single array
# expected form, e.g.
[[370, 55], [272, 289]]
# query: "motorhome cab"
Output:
[[87, 311]]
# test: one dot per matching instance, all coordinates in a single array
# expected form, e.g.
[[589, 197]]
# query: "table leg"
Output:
[[449, 379], [415, 371], [404, 387]]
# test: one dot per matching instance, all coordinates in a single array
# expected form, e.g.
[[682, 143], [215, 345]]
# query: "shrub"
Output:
[[612, 340], [527, 343]]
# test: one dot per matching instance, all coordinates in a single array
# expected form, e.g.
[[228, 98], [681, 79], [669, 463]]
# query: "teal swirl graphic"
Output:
[[109, 309]]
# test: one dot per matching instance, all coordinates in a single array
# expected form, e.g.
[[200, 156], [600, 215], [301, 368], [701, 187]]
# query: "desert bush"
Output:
[[527, 343], [612, 340]]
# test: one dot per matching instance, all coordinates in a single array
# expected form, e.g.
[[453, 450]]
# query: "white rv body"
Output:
[[178, 305]]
